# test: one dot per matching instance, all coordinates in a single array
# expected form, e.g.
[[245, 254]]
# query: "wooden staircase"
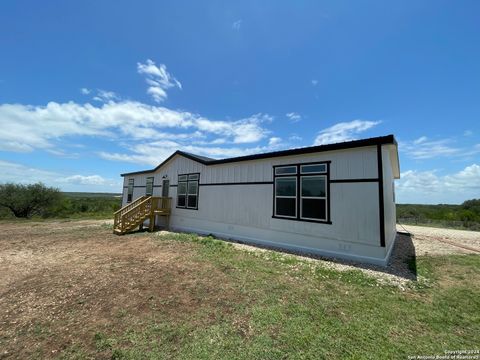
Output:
[[133, 215]]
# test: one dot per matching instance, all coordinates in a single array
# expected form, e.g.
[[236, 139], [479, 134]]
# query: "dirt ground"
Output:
[[75, 276], [71, 277], [438, 241]]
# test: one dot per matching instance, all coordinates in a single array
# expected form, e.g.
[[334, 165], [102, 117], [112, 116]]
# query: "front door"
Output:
[[165, 187]]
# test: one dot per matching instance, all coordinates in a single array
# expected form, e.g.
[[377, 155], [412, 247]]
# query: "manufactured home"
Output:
[[335, 200]]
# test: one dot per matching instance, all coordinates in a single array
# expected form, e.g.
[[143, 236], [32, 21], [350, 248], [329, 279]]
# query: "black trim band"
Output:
[[354, 180], [240, 183], [381, 205]]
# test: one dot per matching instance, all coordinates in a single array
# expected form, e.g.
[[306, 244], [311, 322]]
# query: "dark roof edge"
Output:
[[380, 140]]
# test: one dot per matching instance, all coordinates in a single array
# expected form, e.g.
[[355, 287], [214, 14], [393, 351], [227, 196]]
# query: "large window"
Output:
[[130, 190], [149, 186], [301, 192], [187, 191]]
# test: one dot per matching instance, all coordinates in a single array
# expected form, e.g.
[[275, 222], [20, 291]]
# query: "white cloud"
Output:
[[314, 82], [153, 153], [24, 128], [273, 141], [85, 180], [424, 148], [295, 138], [420, 140], [343, 131], [295, 117], [427, 187], [18, 173], [468, 133], [13, 172], [159, 79], [237, 25], [106, 96], [85, 91]]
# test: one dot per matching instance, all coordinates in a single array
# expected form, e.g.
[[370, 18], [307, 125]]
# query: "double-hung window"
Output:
[[301, 192], [286, 192], [149, 186], [187, 191], [130, 190]]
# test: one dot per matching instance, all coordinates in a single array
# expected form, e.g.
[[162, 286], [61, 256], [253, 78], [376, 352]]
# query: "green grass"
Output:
[[266, 305]]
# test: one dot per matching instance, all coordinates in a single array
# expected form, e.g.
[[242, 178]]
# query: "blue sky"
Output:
[[90, 89]]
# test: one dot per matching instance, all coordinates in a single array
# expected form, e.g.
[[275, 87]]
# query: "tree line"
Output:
[[465, 215], [40, 201]]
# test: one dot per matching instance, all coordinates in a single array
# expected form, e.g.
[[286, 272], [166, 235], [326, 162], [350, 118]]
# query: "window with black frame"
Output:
[[130, 190], [149, 186], [301, 192], [187, 191]]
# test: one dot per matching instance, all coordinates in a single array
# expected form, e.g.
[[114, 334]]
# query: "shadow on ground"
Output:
[[402, 260]]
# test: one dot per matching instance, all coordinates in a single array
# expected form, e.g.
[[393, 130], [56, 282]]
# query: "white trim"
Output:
[[151, 185], [285, 197], [313, 197], [187, 182]]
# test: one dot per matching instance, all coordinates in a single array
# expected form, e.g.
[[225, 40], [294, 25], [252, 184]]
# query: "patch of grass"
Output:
[[234, 304], [299, 309], [102, 342], [75, 352]]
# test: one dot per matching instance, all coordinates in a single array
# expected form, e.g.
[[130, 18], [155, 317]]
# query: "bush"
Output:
[[24, 201], [466, 215]]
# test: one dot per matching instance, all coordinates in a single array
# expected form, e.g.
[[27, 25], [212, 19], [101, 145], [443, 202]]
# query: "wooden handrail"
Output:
[[133, 203], [139, 210], [144, 201]]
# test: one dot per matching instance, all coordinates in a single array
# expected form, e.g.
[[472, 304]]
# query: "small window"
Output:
[[149, 186], [187, 191], [130, 190], [286, 170], [314, 168], [285, 197]]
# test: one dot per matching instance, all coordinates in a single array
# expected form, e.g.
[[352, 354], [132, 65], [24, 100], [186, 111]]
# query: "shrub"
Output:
[[24, 201]]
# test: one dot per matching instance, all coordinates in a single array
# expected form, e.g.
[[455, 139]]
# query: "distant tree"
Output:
[[24, 201], [472, 205]]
